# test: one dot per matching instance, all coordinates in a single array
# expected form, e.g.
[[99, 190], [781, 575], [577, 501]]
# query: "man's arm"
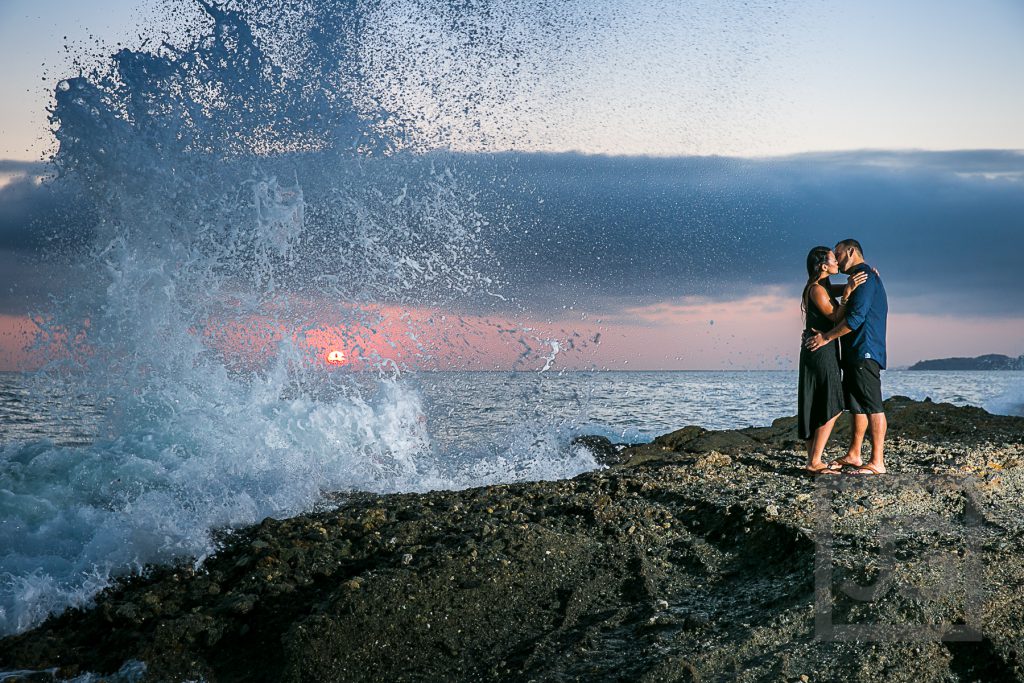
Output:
[[817, 341], [856, 312], [860, 303]]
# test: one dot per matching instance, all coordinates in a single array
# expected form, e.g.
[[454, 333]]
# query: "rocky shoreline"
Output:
[[692, 558]]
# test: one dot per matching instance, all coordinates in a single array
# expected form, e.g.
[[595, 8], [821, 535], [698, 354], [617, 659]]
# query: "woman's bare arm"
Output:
[[823, 300], [824, 303]]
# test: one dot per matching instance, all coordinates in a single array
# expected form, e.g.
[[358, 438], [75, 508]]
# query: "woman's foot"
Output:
[[820, 468]]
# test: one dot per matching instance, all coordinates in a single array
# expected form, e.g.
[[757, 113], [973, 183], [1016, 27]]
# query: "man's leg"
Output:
[[858, 428], [863, 385], [878, 426]]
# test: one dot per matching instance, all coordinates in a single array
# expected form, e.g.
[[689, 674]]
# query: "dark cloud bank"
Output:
[[946, 229]]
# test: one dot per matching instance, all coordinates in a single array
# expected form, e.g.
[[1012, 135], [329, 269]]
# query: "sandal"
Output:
[[839, 463], [865, 470]]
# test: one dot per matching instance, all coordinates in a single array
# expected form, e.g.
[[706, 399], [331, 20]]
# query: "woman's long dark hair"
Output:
[[816, 258]]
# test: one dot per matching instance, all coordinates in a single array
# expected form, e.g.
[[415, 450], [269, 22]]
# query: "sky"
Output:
[[729, 78], [674, 163]]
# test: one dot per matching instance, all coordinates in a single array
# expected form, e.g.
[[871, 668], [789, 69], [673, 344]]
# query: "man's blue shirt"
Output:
[[865, 314]]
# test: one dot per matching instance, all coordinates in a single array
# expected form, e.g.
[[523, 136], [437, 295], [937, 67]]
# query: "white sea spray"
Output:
[[245, 189]]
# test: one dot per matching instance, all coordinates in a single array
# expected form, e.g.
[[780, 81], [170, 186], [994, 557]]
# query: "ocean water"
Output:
[[634, 407], [79, 505], [468, 414]]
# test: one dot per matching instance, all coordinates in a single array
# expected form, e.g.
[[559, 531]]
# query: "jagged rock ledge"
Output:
[[690, 558]]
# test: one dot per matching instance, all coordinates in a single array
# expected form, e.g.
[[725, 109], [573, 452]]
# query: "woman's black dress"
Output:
[[820, 396]]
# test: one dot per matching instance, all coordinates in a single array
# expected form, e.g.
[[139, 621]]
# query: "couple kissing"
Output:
[[841, 359]]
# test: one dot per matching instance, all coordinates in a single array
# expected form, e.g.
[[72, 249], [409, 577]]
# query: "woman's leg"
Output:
[[816, 444]]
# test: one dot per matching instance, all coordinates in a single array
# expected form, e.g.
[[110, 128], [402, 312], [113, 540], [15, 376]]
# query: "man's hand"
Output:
[[815, 341]]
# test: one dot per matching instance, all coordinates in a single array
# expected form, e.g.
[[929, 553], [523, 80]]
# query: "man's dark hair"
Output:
[[851, 243]]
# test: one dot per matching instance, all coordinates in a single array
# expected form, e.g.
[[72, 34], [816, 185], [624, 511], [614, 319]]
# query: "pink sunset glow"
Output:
[[755, 333], [763, 332], [17, 333]]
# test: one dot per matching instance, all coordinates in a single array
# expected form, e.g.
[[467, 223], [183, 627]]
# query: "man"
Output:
[[862, 342]]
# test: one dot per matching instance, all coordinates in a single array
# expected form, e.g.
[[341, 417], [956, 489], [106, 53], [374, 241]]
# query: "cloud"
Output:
[[35, 214], [946, 229], [986, 162], [18, 166], [41, 222]]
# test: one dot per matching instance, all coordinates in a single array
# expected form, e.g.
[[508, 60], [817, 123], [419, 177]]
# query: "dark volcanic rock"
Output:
[[604, 451], [692, 560]]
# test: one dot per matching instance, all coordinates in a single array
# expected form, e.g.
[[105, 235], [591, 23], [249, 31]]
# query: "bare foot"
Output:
[[820, 469]]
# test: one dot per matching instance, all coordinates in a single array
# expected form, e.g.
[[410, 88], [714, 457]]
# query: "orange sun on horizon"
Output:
[[336, 357]]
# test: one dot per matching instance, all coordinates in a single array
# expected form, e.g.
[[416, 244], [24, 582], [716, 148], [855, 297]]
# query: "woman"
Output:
[[820, 397]]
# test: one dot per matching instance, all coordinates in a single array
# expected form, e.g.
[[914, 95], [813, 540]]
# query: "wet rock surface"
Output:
[[692, 558]]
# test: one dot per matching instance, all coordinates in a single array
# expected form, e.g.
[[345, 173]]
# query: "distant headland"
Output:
[[991, 361]]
